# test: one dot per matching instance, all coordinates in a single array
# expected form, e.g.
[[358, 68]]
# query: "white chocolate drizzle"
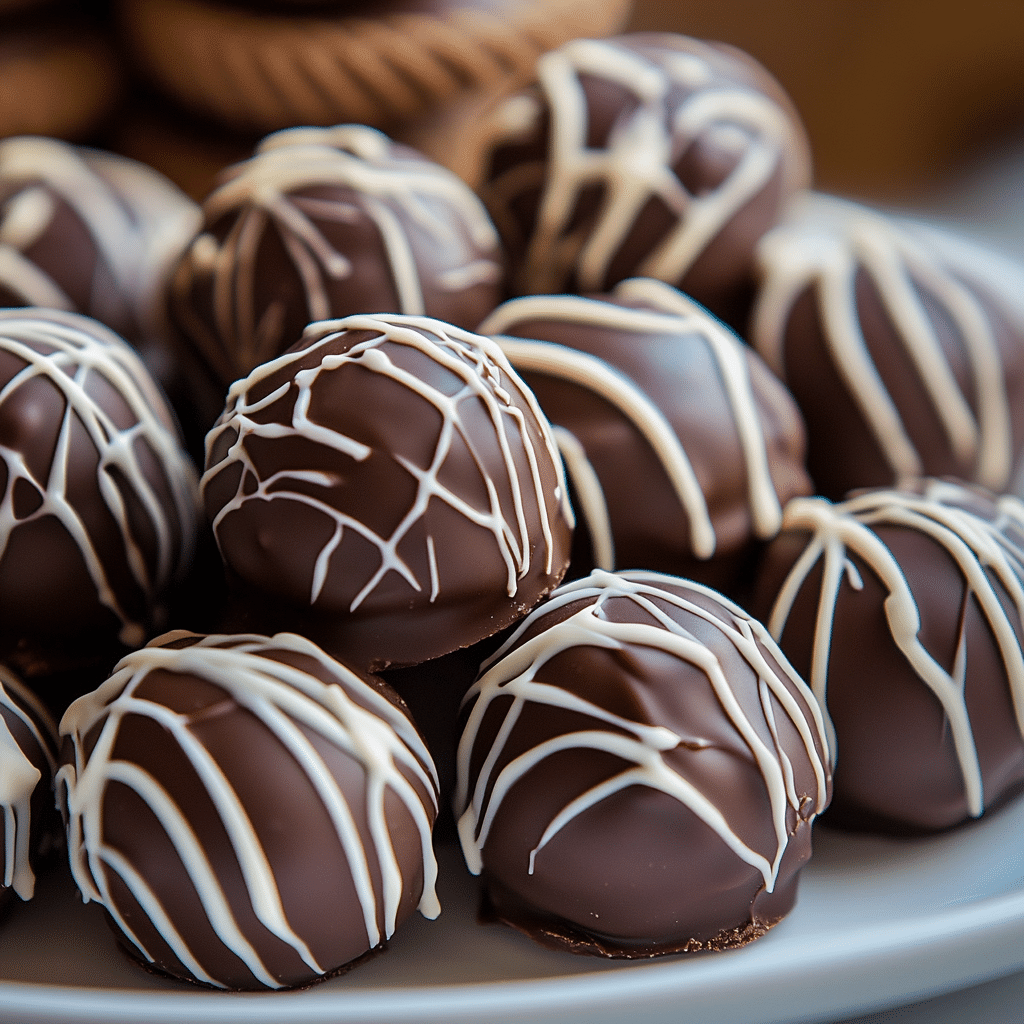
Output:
[[517, 672], [669, 314], [821, 248], [987, 552], [19, 778], [137, 220], [680, 96], [347, 712], [485, 374], [400, 196], [71, 352]]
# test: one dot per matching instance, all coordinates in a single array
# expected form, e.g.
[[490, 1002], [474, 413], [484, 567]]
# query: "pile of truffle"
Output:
[[614, 500]]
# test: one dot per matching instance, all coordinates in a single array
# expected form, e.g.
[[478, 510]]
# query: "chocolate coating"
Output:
[[100, 503], [903, 609], [389, 487], [94, 233], [323, 223], [250, 813], [649, 154], [639, 771], [903, 355], [681, 446], [29, 826]]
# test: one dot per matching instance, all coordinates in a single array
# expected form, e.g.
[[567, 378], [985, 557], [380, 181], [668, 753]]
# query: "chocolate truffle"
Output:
[[249, 812], [650, 154], [639, 771], [28, 758], [680, 445], [390, 488], [905, 357], [100, 502], [903, 609], [95, 233], [323, 223]]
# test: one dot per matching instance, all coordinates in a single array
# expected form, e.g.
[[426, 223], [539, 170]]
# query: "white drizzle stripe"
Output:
[[69, 351], [634, 166], [399, 195], [136, 219], [371, 730], [480, 365], [821, 248], [673, 315], [512, 672], [19, 778], [589, 497], [981, 549]]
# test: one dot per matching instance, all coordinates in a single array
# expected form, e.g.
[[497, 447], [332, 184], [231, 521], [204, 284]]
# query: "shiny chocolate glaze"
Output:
[[389, 487], [29, 827], [680, 445], [903, 610], [249, 812], [904, 359], [649, 154], [322, 223], [639, 770], [100, 501]]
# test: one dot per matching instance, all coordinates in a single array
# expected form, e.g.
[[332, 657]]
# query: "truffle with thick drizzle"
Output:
[[639, 771], [905, 357], [649, 154], [681, 447], [100, 502], [388, 486], [904, 610], [321, 223], [249, 812]]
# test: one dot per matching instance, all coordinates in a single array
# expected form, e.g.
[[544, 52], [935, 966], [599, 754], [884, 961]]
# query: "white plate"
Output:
[[878, 922]]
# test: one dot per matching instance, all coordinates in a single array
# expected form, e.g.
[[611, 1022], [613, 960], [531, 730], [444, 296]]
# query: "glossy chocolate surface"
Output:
[[388, 487], [904, 361], [639, 771], [100, 501], [650, 154], [903, 610], [249, 813], [680, 445]]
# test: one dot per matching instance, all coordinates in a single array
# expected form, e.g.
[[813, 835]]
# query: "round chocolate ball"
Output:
[[29, 827], [639, 771], [903, 610], [322, 223], [95, 233], [100, 501], [903, 351], [680, 445], [249, 812], [388, 487], [648, 154]]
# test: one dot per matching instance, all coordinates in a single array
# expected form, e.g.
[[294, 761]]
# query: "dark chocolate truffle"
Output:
[[249, 812], [388, 487], [95, 233], [323, 223], [680, 445], [905, 356], [100, 503], [639, 771], [903, 610], [651, 155], [28, 758]]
